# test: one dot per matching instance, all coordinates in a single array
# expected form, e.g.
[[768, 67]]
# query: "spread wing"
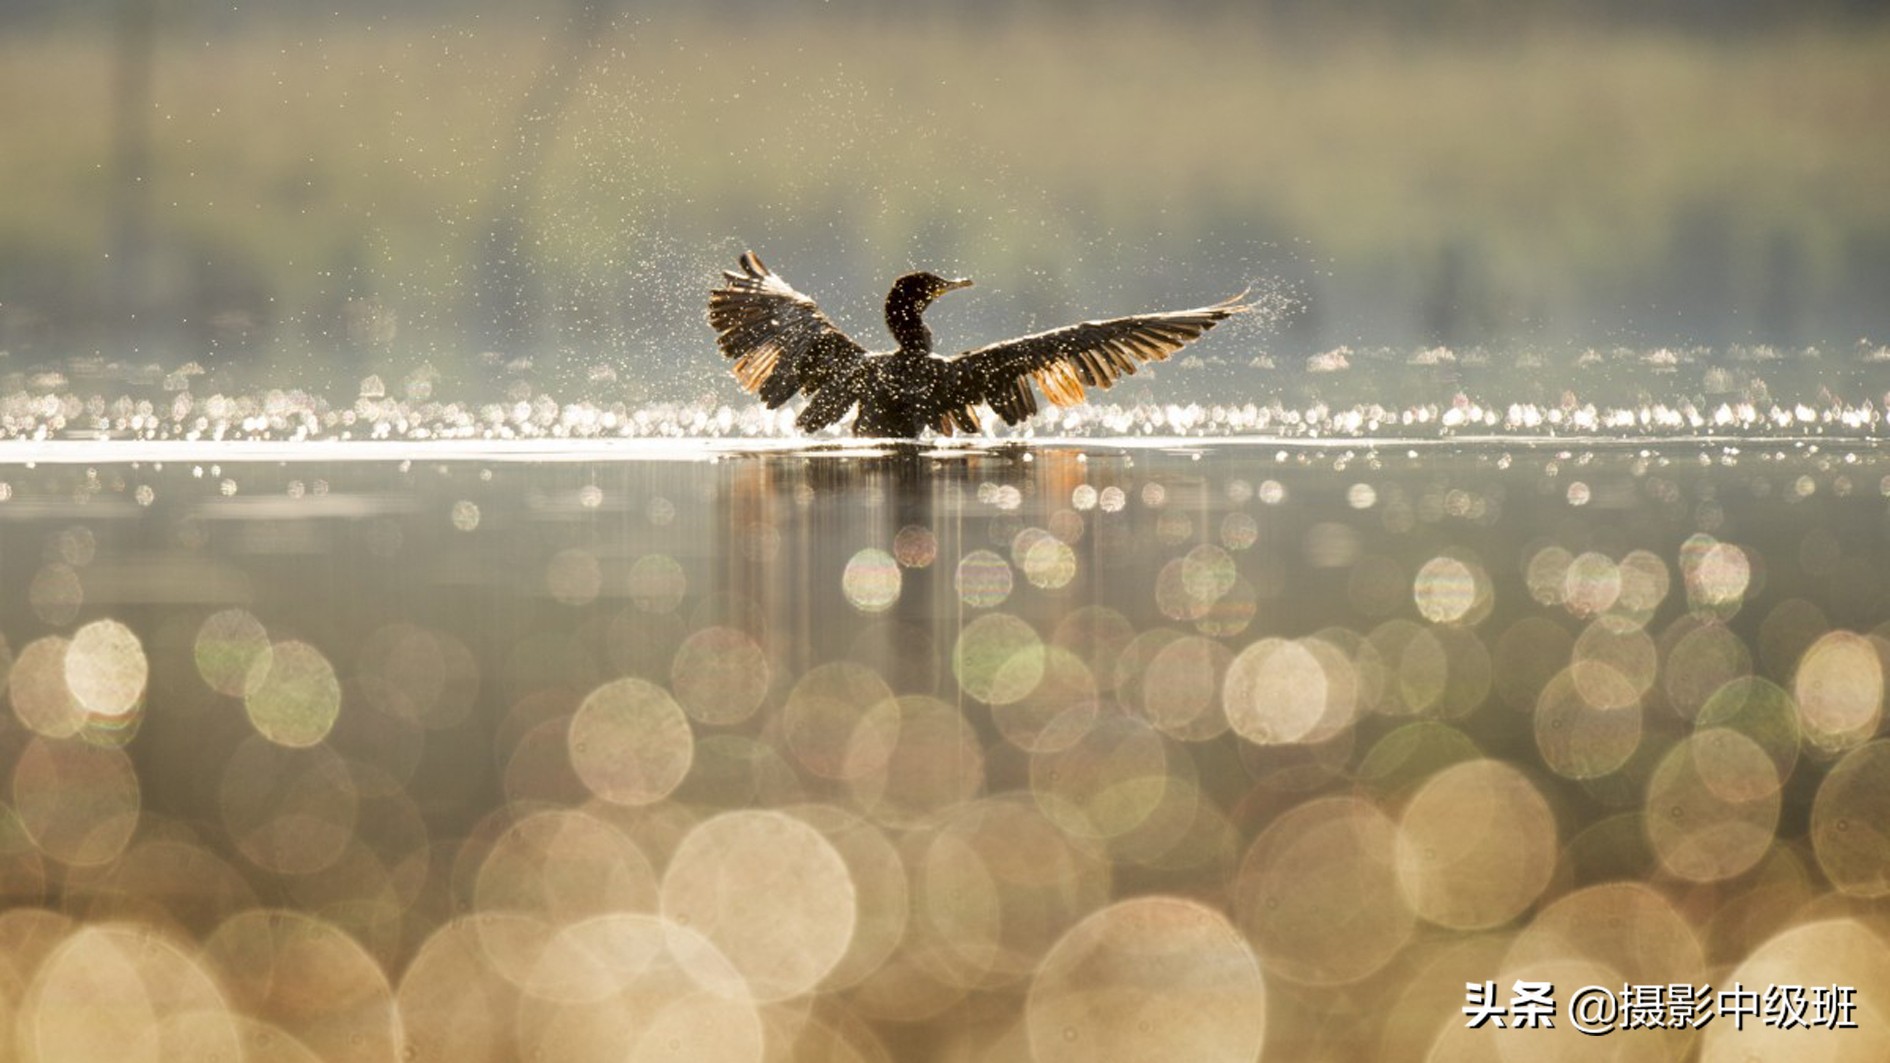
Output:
[[781, 341], [1063, 361]]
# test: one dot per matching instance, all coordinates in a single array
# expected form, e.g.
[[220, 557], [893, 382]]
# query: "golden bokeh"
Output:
[[1107, 782], [574, 577], [719, 675], [1151, 754], [636, 986], [42, 699], [782, 949], [1057, 712], [871, 581], [290, 811], [998, 659], [122, 991], [1699, 660], [1180, 686], [1319, 894], [1839, 688], [911, 757], [78, 802], [292, 695], [1588, 721], [1712, 805], [1146, 978], [983, 579], [821, 711], [1826, 952], [1278, 691], [1477, 844], [228, 649], [453, 1004], [598, 869], [106, 669], [1850, 822], [995, 883], [309, 978], [630, 742]]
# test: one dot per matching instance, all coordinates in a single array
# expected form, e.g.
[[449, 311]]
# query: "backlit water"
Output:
[[1063, 750]]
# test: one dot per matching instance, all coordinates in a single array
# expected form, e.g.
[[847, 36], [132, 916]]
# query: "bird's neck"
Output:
[[904, 322]]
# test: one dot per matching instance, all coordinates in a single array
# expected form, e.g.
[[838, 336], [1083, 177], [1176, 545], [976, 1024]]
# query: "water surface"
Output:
[[1071, 750]]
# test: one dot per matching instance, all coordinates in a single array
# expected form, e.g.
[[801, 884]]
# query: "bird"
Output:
[[783, 344]]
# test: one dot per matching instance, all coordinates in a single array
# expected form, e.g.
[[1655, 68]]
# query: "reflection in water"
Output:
[[1016, 753]]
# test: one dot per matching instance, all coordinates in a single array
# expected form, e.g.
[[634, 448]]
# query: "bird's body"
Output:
[[896, 394], [783, 344]]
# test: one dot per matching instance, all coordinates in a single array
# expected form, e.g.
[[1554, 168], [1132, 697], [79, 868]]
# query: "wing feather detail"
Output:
[[1063, 362], [781, 341]]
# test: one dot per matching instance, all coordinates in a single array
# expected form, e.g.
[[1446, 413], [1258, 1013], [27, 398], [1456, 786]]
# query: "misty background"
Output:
[[311, 195]]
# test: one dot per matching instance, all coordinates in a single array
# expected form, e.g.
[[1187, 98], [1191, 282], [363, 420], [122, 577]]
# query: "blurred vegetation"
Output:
[[357, 190]]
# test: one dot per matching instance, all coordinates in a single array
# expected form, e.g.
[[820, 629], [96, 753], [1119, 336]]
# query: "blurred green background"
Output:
[[321, 191]]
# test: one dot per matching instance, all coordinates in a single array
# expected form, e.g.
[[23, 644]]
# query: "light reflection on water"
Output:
[[1057, 753], [1732, 393]]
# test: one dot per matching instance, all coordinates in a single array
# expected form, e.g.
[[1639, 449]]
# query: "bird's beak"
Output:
[[962, 282]]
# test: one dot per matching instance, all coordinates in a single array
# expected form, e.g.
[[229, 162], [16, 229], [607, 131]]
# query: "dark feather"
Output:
[[1062, 362], [830, 403], [781, 341]]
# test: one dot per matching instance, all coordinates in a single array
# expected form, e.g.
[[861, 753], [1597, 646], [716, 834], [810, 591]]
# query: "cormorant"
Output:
[[782, 344]]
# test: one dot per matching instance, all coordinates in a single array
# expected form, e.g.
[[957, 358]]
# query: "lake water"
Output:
[[1070, 750]]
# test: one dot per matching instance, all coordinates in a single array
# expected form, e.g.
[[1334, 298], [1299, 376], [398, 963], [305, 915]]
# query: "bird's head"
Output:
[[917, 290]]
